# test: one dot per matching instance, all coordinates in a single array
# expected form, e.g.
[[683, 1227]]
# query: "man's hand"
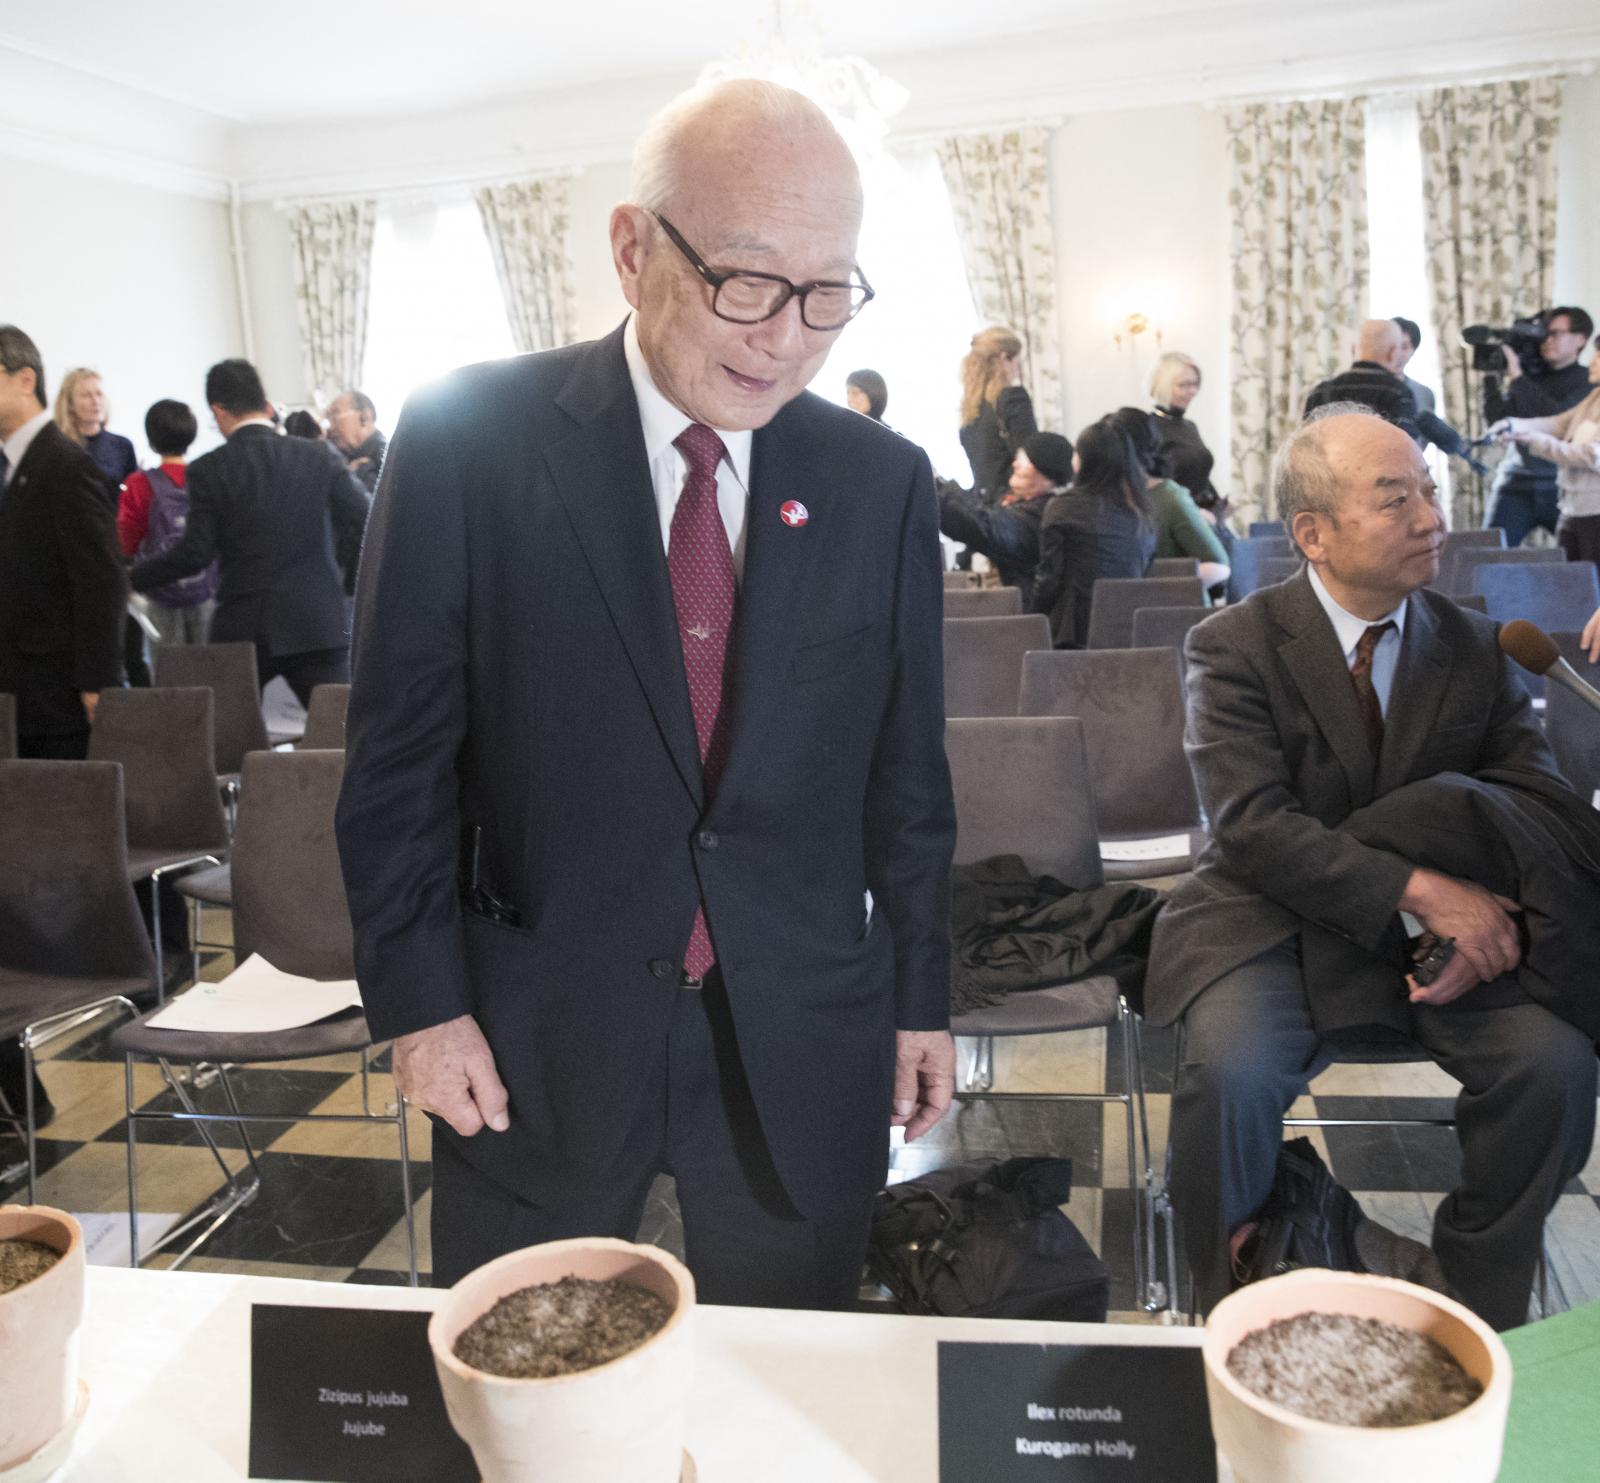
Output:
[[1513, 363], [1485, 936], [448, 1069], [1591, 637], [90, 699], [924, 1079]]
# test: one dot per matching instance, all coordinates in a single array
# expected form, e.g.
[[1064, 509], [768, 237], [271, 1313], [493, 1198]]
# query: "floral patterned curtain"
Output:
[[1299, 258], [1489, 184], [527, 223], [332, 243], [999, 188]]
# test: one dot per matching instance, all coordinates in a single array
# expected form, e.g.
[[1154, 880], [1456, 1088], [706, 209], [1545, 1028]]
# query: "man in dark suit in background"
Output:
[[62, 592], [280, 516], [1374, 380], [647, 699], [1307, 702]]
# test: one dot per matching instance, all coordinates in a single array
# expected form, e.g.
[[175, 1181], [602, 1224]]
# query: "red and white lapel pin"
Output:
[[792, 512]]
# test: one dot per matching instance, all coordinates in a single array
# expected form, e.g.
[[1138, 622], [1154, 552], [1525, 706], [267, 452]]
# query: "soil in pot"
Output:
[[21, 1261], [1352, 1371], [557, 1328]]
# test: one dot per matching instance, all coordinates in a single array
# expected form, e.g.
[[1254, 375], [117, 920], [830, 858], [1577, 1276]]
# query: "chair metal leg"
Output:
[[28, 1114], [133, 1162], [405, 1183], [366, 1087], [1132, 1082], [233, 1107], [979, 1076]]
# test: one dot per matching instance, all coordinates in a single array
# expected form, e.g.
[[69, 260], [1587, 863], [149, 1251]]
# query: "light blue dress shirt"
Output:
[[1349, 628]]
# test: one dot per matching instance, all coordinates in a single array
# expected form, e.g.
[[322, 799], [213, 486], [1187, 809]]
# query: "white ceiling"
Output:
[[297, 59]]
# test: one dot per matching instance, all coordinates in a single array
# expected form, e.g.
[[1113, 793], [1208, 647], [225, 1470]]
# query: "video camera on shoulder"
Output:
[[1524, 335]]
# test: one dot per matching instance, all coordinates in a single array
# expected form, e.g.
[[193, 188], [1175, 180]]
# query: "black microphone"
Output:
[[1537, 653], [1439, 432]]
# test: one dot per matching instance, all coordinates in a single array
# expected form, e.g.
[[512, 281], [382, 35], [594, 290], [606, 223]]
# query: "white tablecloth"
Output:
[[784, 1397]]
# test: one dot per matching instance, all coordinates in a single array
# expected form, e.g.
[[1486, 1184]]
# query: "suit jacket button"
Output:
[[706, 839], [661, 968]]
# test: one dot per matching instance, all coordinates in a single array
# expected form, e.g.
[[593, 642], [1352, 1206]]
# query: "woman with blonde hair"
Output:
[[996, 410], [81, 412], [1173, 385]]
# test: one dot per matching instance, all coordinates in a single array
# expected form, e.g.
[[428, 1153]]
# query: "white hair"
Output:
[[658, 160]]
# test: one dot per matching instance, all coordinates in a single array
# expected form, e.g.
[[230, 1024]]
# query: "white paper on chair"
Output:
[[1163, 848], [256, 998]]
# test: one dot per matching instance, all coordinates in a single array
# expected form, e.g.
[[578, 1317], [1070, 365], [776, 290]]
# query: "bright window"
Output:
[[435, 302]]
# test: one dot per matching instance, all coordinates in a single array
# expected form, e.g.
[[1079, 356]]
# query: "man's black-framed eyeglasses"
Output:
[[747, 297]]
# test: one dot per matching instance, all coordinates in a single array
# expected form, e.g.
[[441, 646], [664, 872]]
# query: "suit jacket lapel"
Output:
[[785, 464], [1317, 664], [1421, 678], [603, 479]]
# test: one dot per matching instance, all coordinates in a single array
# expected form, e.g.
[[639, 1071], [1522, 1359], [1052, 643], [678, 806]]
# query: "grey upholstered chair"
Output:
[[289, 906], [1490, 539], [960, 580], [230, 671], [72, 941], [1130, 702], [1269, 528], [1474, 600], [1558, 598], [1246, 560], [163, 739], [982, 602], [1022, 788], [1165, 628], [325, 719], [1459, 568], [983, 662], [1276, 569], [8, 727], [1174, 566], [1117, 599]]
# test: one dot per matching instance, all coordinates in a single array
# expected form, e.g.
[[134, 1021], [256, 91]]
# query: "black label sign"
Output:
[[1052, 1413], [348, 1395]]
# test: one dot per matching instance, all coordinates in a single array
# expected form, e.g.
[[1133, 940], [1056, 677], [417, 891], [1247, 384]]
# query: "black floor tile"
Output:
[[378, 1277], [13, 1152], [1116, 1246], [661, 1224], [316, 1210], [1377, 1158], [1012, 1129], [259, 1089], [1157, 1044]]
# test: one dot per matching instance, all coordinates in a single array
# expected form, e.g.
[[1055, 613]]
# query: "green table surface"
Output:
[[1553, 1434]]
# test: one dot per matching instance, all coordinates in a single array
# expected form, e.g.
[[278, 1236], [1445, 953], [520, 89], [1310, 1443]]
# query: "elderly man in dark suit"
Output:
[[62, 593], [646, 824], [281, 517], [1306, 702]]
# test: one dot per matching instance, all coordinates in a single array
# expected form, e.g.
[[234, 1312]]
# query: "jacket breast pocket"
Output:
[[817, 661]]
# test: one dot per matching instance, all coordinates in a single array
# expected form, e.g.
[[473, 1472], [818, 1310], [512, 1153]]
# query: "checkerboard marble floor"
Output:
[[330, 1204]]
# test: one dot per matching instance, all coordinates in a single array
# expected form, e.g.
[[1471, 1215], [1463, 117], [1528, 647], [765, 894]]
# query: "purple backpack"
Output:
[[169, 517]]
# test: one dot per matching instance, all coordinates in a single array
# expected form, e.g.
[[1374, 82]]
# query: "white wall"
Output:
[[595, 191], [1578, 196], [137, 283], [269, 274]]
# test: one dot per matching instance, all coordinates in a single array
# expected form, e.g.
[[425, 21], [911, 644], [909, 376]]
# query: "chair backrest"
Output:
[[288, 894], [8, 726], [1246, 559], [66, 905], [1458, 569], [1474, 600], [1492, 539], [1275, 569], [1174, 566], [325, 719], [162, 738], [1117, 599], [1022, 788], [230, 671], [1165, 628], [982, 602], [1131, 704], [1260, 528], [983, 662], [1573, 731], [1557, 598], [960, 580]]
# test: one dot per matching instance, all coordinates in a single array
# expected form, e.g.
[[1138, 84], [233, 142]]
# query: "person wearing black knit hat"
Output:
[[1008, 533]]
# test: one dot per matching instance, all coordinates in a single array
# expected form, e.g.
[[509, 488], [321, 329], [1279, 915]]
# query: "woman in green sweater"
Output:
[[1181, 530]]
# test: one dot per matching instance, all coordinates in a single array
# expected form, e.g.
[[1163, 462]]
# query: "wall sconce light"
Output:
[[1133, 326]]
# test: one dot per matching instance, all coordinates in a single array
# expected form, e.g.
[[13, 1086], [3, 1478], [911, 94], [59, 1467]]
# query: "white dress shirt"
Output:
[[17, 444], [662, 422], [1349, 629]]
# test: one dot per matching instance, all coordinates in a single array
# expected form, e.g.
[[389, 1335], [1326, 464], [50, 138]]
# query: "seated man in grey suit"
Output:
[[1307, 702]]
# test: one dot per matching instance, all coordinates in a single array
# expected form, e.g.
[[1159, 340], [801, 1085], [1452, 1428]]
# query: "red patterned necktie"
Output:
[[703, 591], [1366, 692]]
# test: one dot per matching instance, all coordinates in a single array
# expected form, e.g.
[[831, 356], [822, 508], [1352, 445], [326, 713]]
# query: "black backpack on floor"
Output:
[[987, 1240]]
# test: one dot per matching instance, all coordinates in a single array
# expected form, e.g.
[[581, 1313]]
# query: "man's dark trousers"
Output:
[[742, 1236], [1524, 1117]]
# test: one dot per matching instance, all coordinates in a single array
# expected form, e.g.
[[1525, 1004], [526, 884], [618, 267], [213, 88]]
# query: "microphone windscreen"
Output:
[[1529, 645]]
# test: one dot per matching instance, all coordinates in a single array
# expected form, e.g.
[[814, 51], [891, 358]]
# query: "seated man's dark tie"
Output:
[[1366, 692]]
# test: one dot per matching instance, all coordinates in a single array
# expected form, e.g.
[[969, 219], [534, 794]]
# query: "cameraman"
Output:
[[1524, 490]]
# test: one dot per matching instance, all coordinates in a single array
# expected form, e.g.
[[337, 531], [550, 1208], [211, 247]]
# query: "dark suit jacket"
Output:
[[519, 699], [1084, 537], [1373, 386], [992, 438], [62, 592], [279, 516], [1280, 759]]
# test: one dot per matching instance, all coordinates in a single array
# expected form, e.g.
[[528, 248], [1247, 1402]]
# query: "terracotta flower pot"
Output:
[[1265, 1443], [39, 1324], [622, 1420]]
